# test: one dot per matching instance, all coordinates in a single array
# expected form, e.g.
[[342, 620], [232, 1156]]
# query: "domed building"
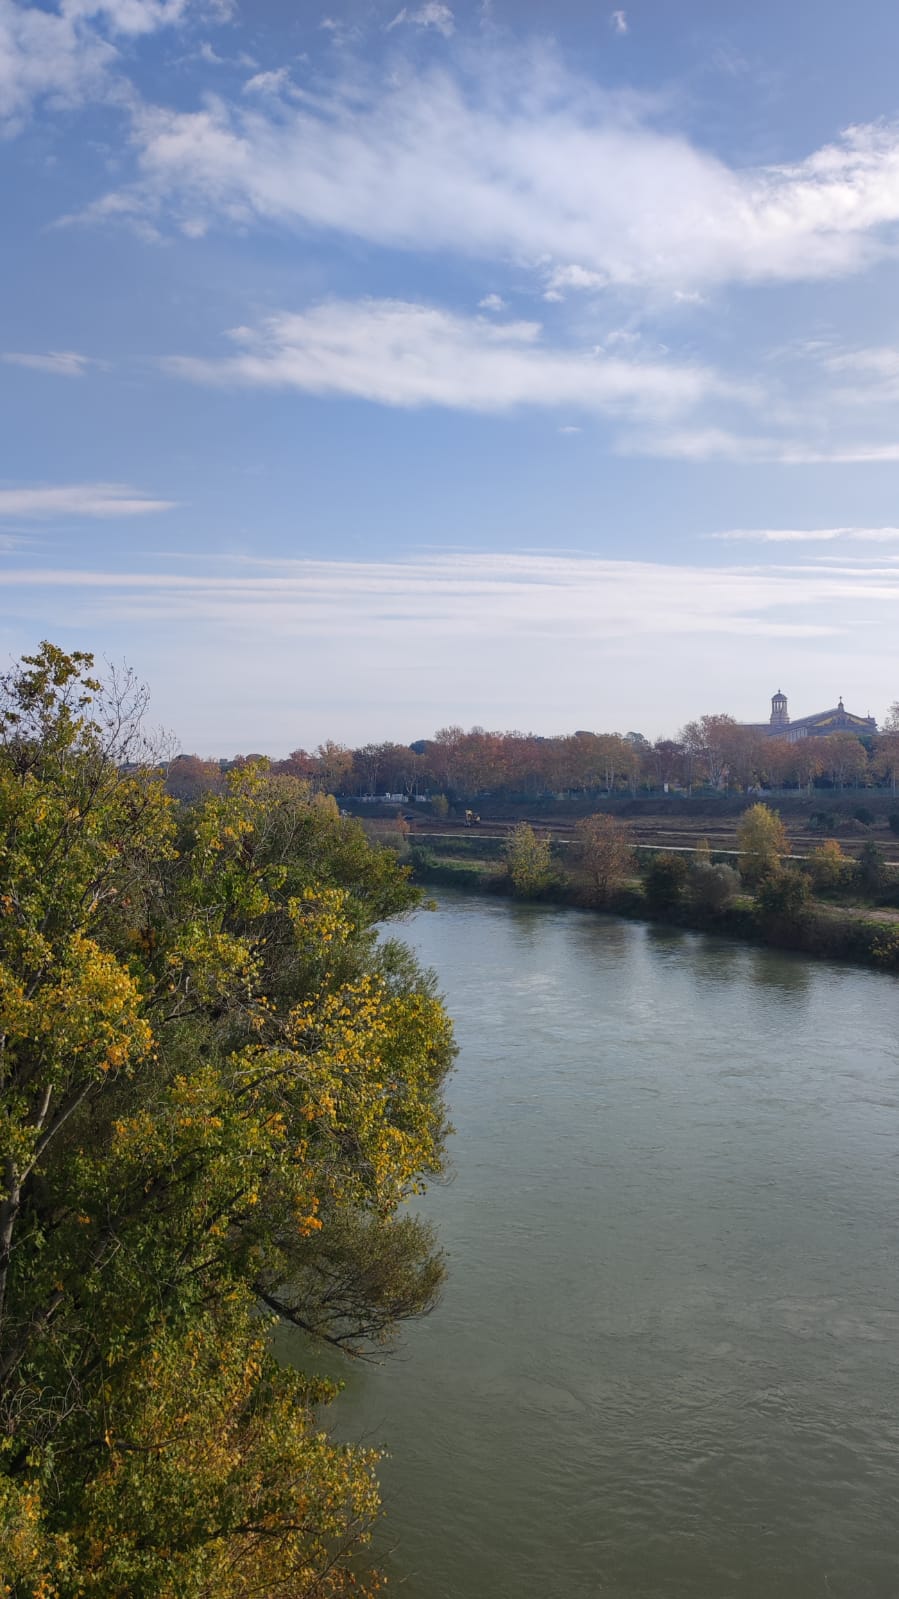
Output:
[[821, 724]]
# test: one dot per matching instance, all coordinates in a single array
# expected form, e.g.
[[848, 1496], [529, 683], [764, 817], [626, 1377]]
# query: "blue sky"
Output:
[[370, 368]]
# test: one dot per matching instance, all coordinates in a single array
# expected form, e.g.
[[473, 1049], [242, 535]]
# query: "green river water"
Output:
[[666, 1363]]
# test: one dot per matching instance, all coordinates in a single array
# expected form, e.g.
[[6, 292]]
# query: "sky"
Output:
[[533, 365]]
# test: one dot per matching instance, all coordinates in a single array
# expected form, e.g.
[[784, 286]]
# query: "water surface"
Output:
[[666, 1364]]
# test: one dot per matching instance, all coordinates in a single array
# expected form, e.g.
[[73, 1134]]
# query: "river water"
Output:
[[666, 1363]]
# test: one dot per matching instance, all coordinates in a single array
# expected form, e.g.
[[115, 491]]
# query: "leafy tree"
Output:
[[606, 854], [828, 866], [216, 1091], [871, 869], [782, 898], [762, 841], [713, 888], [528, 860], [665, 880]]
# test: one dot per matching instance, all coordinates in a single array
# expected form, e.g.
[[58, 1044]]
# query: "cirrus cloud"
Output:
[[405, 354]]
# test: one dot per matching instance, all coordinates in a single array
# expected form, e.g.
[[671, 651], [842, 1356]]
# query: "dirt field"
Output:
[[680, 832]]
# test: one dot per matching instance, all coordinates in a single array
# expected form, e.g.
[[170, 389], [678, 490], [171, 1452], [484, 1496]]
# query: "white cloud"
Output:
[[572, 277], [283, 652], [78, 500], [522, 161], [492, 302], [68, 55], [618, 22], [268, 82], [815, 535], [430, 15], [405, 354], [65, 363], [715, 443]]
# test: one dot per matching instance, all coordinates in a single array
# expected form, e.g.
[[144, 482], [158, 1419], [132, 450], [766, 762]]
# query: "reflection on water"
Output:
[[666, 1365]]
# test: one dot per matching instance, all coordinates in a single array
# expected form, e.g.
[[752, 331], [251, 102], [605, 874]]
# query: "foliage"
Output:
[[712, 888], [216, 1091], [893, 820], [762, 841], [440, 807], [871, 869], [865, 815], [782, 898], [606, 854], [828, 867], [528, 860], [665, 880]]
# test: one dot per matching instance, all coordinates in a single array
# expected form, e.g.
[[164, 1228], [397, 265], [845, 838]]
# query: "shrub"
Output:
[[664, 881], [713, 888], [821, 822], [863, 813], [893, 820], [828, 866], [871, 869], [440, 807], [783, 897]]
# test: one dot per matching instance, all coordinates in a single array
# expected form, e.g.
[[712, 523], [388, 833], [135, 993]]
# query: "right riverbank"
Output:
[[865, 935]]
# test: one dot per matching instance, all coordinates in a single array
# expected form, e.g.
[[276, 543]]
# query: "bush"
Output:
[[863, 813], [893, 820], [871, 869], [821, 822], [440, 807], [713, 888], [783, 898], [828, 866], [665, 880]]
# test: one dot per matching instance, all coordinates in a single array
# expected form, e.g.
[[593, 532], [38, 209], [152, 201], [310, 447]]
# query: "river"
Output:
[[666, 1363]]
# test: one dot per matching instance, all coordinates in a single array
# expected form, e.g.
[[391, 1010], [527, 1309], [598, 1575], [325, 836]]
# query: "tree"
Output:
[[761, 840], [712, 888], [846, 759], [871, 869], [782, 899], [665, 880], [828, 865], [217, 1090], [528, 860], [606, 854]]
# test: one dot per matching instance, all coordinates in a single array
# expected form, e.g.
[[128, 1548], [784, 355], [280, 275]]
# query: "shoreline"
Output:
[[822, 934]]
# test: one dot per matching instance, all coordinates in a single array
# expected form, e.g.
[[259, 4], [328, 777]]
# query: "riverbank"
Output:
[[863, 936]]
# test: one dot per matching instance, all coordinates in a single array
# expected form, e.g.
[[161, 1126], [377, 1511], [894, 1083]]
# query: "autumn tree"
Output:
[[606, 854], [217, 1089], [762, 841], [528, 860], [846, 759]]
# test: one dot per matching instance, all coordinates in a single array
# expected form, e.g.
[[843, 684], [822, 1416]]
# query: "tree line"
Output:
[[714, 751]]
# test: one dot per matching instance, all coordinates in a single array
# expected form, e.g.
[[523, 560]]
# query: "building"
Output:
[[822, 724]]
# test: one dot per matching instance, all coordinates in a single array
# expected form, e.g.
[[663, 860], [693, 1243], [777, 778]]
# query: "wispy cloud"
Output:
[[515, 158], [566, 640], [405, 354], [808, 535], [68, 54], [74, 500], [430, 15], [618, 22], [718, 444], [62, 363]]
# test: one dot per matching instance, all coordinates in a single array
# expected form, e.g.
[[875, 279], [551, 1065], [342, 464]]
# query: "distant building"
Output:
[[822, 724]]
